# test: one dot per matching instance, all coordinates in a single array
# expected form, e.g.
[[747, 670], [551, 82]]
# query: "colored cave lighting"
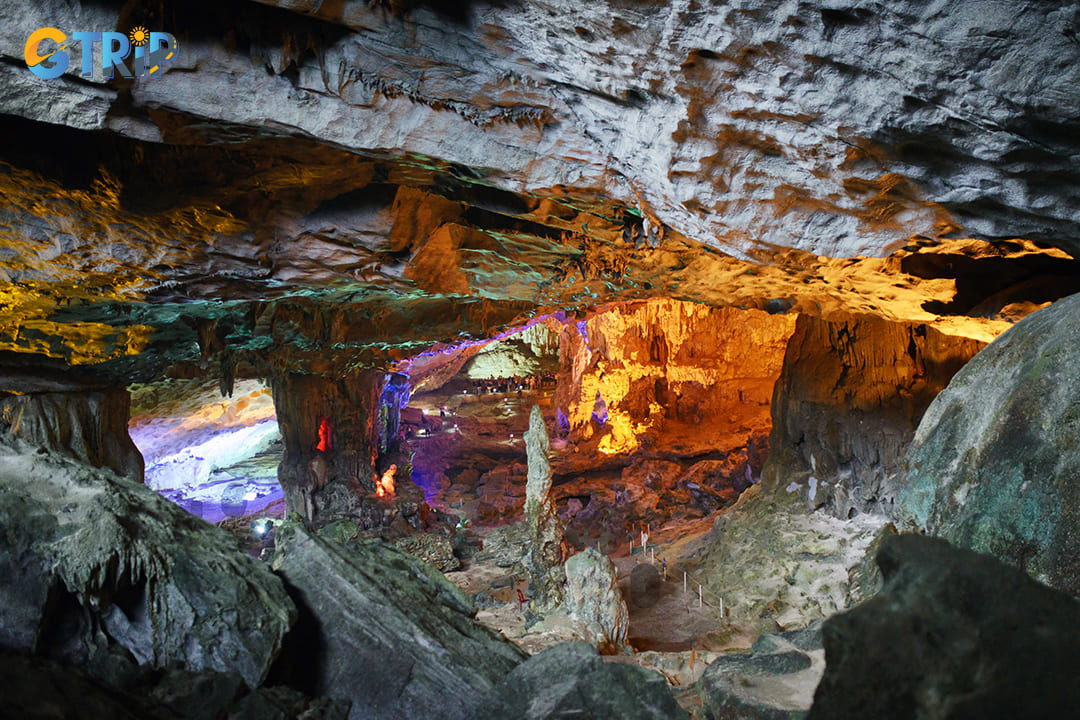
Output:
[[384, 486], [324, 435]]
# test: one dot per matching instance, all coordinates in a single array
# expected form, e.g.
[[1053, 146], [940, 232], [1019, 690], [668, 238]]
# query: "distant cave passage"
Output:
[[215, 457]]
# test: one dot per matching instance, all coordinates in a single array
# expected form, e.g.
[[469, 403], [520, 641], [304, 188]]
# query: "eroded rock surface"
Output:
[[954, 634], [385, 631], [96, 565], [774, 681], [994, 463]]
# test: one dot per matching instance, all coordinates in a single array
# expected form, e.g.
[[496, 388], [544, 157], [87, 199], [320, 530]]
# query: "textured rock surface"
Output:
[[346, 189], [954, 634], [836, 130], [385, 631], [87, 425], [994, 463], [846, 407], [435, 550], [593, 597], [571, 680], [94, 564], [779, 567], [774, 681]]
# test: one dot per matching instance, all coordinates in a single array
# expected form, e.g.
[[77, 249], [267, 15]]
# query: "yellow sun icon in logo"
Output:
[[139, 36]]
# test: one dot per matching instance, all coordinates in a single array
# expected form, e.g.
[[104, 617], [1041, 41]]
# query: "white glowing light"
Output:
[[250, 495]]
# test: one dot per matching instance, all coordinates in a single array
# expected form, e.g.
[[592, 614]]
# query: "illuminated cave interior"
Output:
[[409, 359]]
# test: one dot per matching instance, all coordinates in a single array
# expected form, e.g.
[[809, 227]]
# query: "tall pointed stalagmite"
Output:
[[545, 529]]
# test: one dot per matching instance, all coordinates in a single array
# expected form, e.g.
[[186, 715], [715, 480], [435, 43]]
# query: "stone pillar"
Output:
[[544, 528], [90, 425], [330, 430]]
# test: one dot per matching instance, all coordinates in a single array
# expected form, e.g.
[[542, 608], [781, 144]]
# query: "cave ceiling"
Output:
[[329, 186]]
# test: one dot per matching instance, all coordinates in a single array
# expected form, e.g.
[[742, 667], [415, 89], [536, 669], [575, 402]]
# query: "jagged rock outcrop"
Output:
[[94, 565], [593, 597], [846, 406], [89, 425], [954, 634], [570, 680], [542, 526], [384, 630], [994, 463]]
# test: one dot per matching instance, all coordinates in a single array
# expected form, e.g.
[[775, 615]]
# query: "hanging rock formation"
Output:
[[670, 376], [846, 406], [95, 565], [954, 634], [994, 463]]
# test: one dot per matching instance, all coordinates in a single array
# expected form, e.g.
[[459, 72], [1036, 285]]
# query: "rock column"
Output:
[[543, 526]]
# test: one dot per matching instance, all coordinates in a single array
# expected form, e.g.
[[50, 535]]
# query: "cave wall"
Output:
[[846, 405], [88, 425], [672, 376]]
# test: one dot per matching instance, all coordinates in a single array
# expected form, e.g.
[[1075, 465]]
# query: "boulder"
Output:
[[435, 550], [384, 630], [994, 463], [593, 597], [571, 680], [953, 634], [774, 681], [95, 566]]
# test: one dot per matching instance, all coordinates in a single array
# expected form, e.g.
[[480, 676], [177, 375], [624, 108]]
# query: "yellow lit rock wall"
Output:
[[674, 376]]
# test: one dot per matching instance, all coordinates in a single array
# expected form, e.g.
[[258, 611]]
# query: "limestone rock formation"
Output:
[[570, 680], [954, 634], [435, 550], [542, 525], [385, 631], [778, 567], [87, 424], [671, 377], [994, 463], [845, 408], [593, 597], [774, 681], [95, 565]]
